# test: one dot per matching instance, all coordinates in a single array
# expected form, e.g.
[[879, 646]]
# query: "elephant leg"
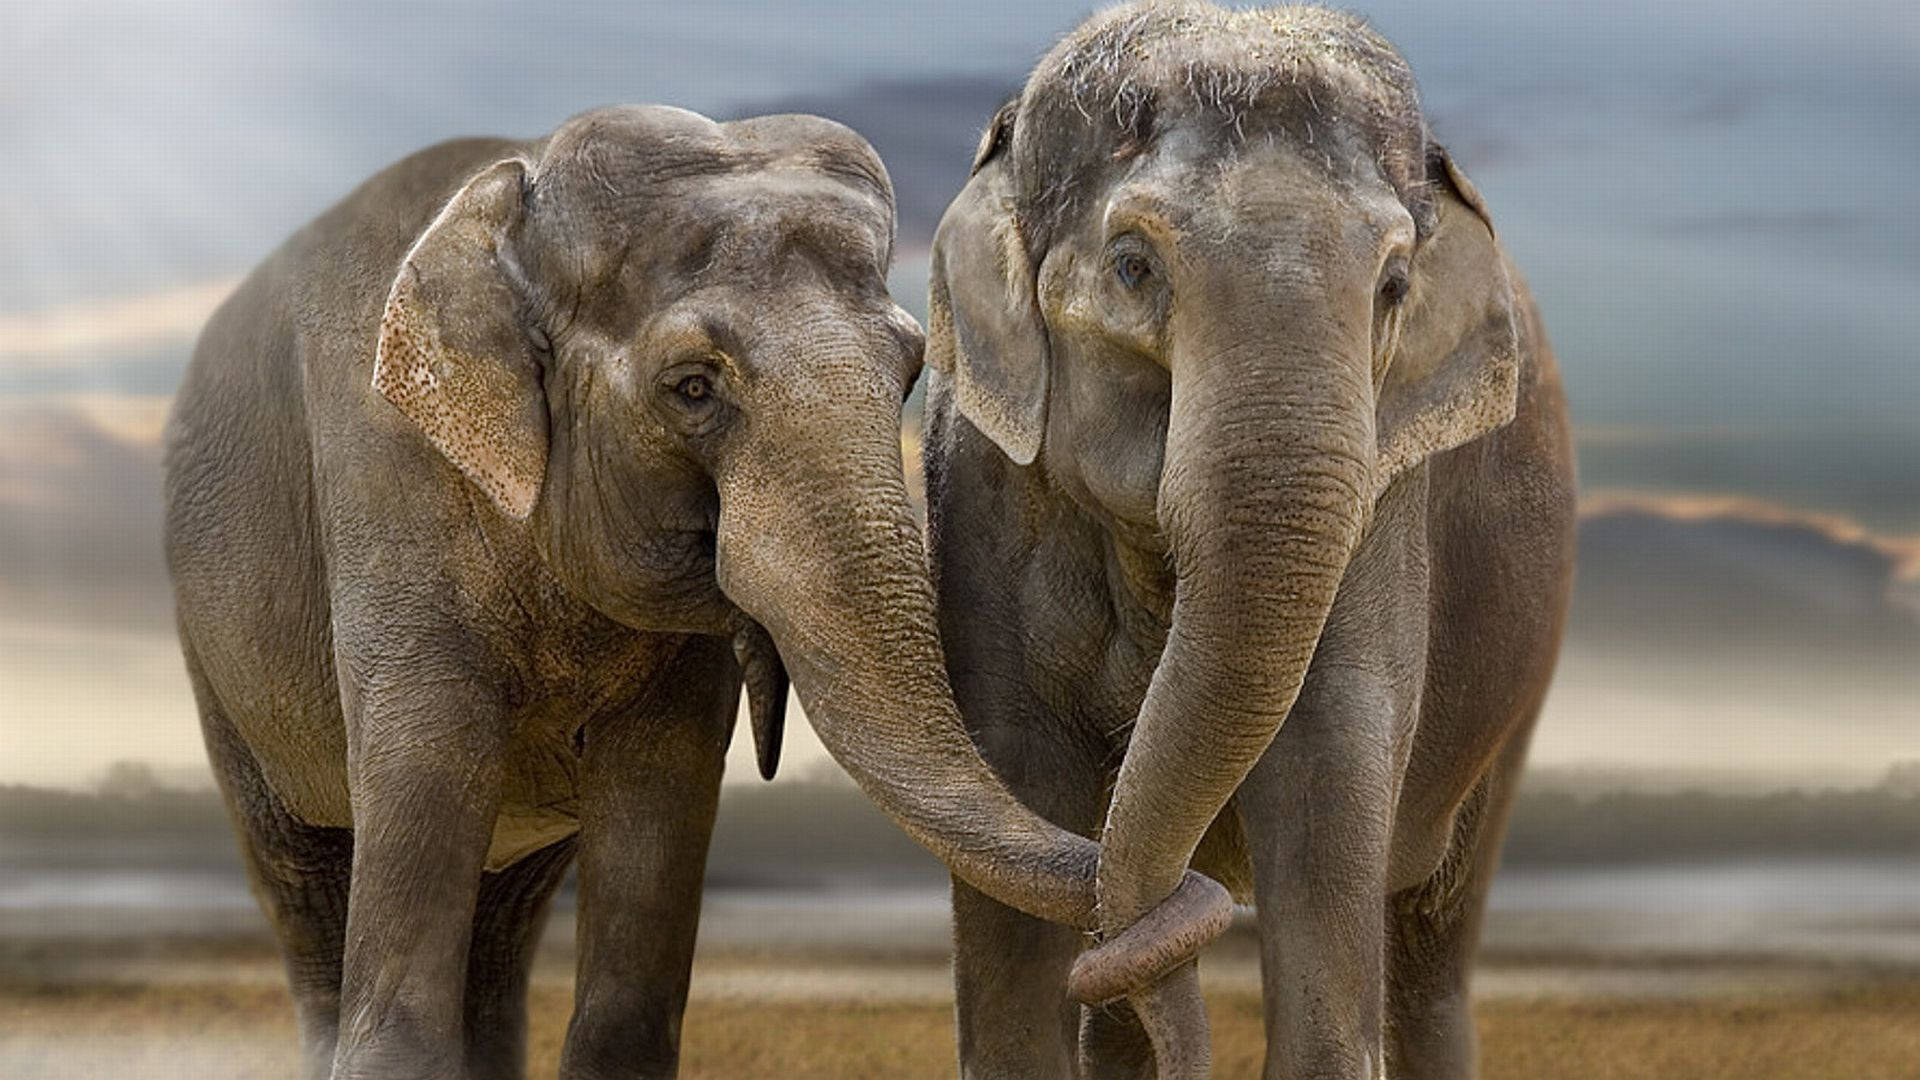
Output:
[[1317, 811], [299, 874], [508, 919], [1434, 930], [424, 751], [650, 784], [1009, 968]]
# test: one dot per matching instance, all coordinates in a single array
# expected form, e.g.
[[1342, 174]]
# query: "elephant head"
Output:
[[1213, 276], [665, 347]]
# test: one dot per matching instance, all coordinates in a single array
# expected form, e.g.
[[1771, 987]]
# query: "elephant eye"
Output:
[[692, 398], [694, 388], [1132, 269], [1394, 285]]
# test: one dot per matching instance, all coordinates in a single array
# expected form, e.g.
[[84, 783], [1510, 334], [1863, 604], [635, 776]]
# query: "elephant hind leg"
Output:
[[299, 872], [508, 919], [1433, 931]]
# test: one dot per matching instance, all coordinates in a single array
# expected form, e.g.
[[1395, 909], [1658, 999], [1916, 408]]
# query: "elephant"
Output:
[[1251, 512], [487, 492]]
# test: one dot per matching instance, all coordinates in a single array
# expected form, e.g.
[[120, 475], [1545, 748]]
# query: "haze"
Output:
[[1712, 201]]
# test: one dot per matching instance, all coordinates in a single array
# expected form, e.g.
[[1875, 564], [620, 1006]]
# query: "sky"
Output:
[[1712, 200]]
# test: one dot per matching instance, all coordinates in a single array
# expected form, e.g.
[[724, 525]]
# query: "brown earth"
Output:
[[214, 1030]]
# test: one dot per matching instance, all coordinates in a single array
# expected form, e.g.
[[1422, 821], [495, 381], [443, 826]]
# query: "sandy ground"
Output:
[[206, 1008], [219, 1030], [1623, 975]]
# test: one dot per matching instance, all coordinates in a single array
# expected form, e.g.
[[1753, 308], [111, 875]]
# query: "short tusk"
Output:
[[766, 681]]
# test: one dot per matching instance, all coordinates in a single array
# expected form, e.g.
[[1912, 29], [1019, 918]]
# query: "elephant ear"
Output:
[[454, 357], [1456, 373], [987, 334]]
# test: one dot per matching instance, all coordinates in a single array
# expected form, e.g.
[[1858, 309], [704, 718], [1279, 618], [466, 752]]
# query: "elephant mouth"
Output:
[[668, 583], [689, 554], [667, 553]]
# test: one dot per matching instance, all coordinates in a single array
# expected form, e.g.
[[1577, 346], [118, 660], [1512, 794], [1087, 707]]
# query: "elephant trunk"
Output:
[[829, 559], [1262, 500]]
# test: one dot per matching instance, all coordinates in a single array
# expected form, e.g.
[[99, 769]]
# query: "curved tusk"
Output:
[[766, 682]]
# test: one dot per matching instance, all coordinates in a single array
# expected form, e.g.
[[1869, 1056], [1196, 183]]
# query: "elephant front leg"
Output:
[[1317, 810], [1013, 1015], [425, 770], [649, 787]]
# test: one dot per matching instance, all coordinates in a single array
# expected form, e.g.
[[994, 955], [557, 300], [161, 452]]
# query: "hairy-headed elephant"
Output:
[[1252, 519], [485, 492]]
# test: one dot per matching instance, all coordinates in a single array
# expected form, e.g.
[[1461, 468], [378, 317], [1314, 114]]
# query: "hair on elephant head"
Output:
[[666, 346], [1213, 274]]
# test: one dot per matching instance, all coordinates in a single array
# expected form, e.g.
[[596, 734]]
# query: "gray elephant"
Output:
[[485, 493], [1251, 513]]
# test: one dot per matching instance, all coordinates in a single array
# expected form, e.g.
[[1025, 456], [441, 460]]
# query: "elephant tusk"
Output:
[[766, 682]]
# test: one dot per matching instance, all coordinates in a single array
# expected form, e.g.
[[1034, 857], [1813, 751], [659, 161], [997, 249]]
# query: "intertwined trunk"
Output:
[[818, 544], [1262, 501]]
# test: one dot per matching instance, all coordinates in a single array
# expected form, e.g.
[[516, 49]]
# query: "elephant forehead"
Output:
[[1137, 76], [660, 140], [812, 142], [1272, 199], [1226, 59], [777, 207], [623, 181], [755, 229]]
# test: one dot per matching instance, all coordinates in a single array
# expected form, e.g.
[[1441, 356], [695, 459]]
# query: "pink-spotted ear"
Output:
[[454, 357], [1456, 373], [985, 329]]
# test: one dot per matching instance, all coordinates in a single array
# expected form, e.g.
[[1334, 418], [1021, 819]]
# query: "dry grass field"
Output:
[[241, 1030]]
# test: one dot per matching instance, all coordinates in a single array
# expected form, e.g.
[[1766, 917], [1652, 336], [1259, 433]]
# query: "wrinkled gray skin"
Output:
[[1251, 505], [464, 551]]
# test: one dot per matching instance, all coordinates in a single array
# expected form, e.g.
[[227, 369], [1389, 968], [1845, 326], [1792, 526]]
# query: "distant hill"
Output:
[[824, 832], [1716, 578]]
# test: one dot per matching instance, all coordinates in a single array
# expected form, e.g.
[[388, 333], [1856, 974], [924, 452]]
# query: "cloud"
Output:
[[80, 333], [1727, 578], [80, 512], [1860, 471], [1726, 632], [1707, 629], [1783, 226], [925, 130], [1899, 555]]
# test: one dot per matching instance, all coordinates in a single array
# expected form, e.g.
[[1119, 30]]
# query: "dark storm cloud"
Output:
[[1715, 579], [1706, 577], [80, 514], [1864, 472], [925, 130]]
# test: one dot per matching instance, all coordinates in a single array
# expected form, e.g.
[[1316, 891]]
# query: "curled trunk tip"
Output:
[[1155, 945]]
